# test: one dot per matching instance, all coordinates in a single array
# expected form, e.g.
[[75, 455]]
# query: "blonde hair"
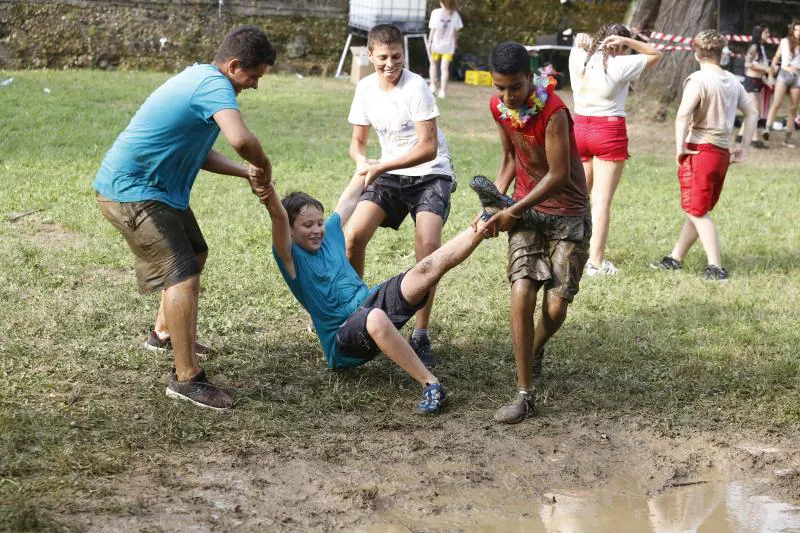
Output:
[[449, 4], [708, 44]]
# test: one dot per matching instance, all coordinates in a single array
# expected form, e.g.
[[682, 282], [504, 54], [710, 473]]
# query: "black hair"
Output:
[[756, 36], [384, 34], [295, 201], [250, 45], [510, 58]]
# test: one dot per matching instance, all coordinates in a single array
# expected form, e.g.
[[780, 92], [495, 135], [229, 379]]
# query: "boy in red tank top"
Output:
[[548, 219], [703, 128]]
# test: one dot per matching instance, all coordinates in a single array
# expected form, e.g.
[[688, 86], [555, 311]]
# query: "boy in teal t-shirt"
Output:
[[354, 323], [144, 183]]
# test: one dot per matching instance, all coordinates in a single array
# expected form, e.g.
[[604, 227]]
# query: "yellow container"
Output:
[[478, 77]]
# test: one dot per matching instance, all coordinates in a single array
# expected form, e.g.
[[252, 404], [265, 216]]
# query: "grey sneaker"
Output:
[[199, 391], [715, 273], [422, 348], [519, 409], [607, 268], [667, 263]]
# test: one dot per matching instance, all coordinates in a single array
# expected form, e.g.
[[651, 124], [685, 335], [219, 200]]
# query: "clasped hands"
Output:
[[499, 222], [259, 185]]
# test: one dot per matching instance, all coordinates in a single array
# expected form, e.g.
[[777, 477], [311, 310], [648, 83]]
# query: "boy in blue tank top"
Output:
[[144, 183], [355, 323]]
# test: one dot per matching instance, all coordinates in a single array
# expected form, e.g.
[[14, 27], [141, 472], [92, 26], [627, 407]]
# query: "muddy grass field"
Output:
[[657, 384]]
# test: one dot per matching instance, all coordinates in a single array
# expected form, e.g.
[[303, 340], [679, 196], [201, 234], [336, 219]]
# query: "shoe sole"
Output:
[[178, 396], [516, 420]]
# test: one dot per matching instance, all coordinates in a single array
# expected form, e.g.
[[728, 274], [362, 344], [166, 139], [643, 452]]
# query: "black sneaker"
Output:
[[667, 263], [715, 273], [199, 391], [519, 409], [422, 347], [765, 135], [738, 138], [488, 194], [759, 145], [537, 369]]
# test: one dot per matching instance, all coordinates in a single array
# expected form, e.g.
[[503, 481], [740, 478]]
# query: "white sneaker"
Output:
[[606, 269], [441, 93], [433, 88], [787, 144]]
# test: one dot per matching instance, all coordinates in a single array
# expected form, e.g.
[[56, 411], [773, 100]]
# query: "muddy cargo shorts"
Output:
[[553, 251], [164, 240], [400, 195]]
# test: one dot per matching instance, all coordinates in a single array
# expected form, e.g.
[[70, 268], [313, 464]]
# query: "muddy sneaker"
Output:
[[759, 145], [605, 269], [154, 343], [199, 391], [667, 263], [434, 399], [537, 369], [422, 347], [765, 135], [519, 409], [488, 194], [715, 273]]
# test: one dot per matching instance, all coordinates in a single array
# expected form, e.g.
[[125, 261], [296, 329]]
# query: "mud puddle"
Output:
[[712, 506]]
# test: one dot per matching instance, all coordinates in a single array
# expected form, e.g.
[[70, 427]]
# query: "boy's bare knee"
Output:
[[378, 323]]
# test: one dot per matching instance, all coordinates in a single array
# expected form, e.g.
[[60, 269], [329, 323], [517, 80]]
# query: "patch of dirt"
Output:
[[53, 235], [467, 474]]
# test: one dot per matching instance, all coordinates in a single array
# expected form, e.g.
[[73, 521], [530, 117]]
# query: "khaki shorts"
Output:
[[166, 241], [554, 252]]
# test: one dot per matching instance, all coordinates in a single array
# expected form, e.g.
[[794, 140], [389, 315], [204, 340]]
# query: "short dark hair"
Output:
[[384, 34], [250, 45], [295, 201], [510, 58]]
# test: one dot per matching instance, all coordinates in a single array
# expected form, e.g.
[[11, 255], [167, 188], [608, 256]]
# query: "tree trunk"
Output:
[[642, 14], [677, 17]]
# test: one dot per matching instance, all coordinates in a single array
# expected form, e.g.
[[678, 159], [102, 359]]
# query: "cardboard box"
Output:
[[361, 65]]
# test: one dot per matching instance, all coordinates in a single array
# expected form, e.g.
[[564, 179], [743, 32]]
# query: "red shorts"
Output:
[[605, 138], [701, 177]]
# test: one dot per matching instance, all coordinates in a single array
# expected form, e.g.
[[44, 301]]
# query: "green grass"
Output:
[[80, 401]]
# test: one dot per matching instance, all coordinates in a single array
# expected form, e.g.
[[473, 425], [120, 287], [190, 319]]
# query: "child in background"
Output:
[[703, 127], [444, 24], [601, 70], [788, 81]]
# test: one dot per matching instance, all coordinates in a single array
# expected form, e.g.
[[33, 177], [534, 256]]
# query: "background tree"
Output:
[[677, 17]]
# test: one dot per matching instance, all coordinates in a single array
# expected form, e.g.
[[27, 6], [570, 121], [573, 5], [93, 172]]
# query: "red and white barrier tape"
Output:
[[670, 38]]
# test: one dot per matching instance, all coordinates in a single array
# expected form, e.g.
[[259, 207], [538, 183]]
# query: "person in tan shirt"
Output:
[[703, 128]]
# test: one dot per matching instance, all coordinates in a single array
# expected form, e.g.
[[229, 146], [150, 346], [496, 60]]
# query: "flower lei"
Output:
[[536, 101]]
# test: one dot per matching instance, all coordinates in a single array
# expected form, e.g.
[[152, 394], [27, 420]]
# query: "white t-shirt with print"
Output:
[[393, 115], [599, 93], [446, 23]]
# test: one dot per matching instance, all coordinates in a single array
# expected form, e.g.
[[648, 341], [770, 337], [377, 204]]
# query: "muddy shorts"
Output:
[[400, 195], [353, 340], [553, 251], [792, 81], [164, 240]]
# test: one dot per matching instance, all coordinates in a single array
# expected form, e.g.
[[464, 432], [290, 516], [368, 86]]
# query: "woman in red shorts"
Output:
[[601, 70]]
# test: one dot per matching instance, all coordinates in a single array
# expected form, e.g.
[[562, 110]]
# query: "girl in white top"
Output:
[[444, 24], [756, 68], [600, 73], [788, 81]]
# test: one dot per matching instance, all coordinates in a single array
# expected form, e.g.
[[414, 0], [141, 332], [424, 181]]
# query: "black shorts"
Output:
[[353, 339], [400, 195], [753, 85]]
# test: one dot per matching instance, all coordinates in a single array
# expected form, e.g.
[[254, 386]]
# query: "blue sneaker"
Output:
[[435, 398], [422, 347]]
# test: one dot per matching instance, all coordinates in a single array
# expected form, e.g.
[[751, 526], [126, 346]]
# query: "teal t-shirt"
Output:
[[328, 287], [159, 154]]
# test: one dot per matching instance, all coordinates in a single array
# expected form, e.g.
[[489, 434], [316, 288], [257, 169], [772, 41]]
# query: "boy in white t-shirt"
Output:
[[703, 128], [414, 174], [445, 23]]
